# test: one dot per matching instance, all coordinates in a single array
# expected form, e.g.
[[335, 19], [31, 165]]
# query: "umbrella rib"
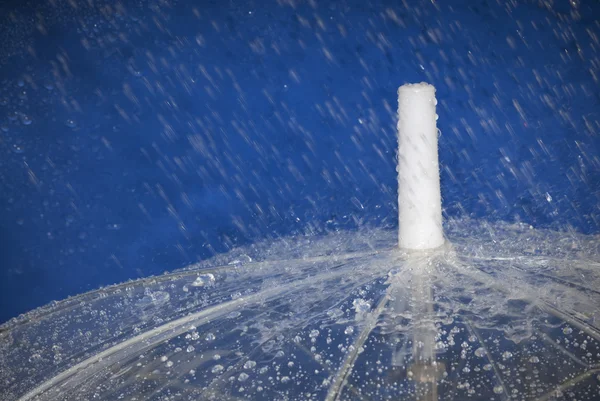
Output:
[[327, 368], [165, 331], [549, 308], [589, 329], [346, 368], [471, 328], [192, 269], [558, 280], [554, 278], [562, 349], [299, 346], [551, 394]]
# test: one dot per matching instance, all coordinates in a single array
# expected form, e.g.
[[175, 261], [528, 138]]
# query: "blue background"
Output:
[[140, 137]]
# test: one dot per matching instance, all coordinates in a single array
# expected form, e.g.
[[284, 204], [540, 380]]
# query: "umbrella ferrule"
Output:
[[419, 198]]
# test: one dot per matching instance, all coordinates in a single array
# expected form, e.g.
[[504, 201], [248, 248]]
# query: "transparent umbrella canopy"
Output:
[[482, 311]]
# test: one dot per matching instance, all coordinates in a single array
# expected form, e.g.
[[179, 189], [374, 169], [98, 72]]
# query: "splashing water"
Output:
[[500, 311]]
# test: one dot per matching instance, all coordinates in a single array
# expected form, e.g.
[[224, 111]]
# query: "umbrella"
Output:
[[464, 310]]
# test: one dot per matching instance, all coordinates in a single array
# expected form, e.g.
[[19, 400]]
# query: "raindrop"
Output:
[[567, 330], [249, 365], [25, 120], [210, 337], [71, 123], [534, 359], [498, 390], [349, 330], [217, 369], [18, 149], [243, 377], [507, 355], [135, 72], [190, 348]]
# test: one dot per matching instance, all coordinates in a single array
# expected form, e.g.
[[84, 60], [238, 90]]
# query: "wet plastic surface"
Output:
[[505, 312]]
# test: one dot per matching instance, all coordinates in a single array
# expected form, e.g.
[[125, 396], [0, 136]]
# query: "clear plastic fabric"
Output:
[[500, 312]]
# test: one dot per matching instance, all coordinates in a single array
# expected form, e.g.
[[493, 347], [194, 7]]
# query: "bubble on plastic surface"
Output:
[[480, 352], [242, 259], [361, 306], [204, 280], [154, 298]]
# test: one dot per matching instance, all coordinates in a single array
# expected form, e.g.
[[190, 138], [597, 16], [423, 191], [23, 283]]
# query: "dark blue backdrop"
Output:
[[139, 137]]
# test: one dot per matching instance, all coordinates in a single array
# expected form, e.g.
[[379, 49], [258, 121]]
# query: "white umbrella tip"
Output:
[[416, 88]]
